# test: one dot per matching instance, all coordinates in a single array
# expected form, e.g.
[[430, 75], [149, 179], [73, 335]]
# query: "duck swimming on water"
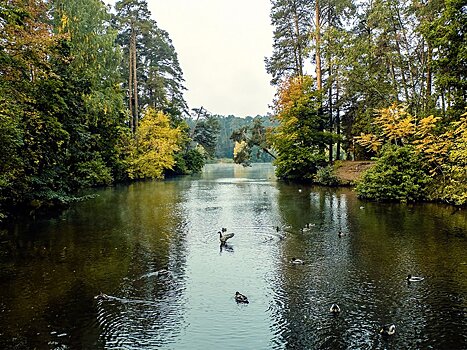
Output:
[[225, 247], [335, 309], [162, 272], [388, 329], [223, 237], [411, 278], [297, 261], [240, 298], [307, 227]]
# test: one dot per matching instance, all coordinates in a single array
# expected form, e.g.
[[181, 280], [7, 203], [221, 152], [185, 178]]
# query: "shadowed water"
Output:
[[153, 249]]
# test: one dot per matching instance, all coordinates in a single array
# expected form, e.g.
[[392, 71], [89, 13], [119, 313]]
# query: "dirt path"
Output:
[[348, 171]]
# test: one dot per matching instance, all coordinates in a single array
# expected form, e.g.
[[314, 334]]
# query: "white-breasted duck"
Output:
[[411, 278], [335, 309], [388, 329], [297, 261]]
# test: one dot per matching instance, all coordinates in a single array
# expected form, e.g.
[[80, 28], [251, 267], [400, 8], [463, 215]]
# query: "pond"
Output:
[[153, 249]]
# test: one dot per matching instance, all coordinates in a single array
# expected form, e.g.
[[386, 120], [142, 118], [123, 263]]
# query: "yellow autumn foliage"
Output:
[[442, 148], [369, 141], [154, 146], [396, 123], [241, 153]]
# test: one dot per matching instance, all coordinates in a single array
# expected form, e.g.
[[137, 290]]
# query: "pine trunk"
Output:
[[319, 85], [298, 47], [130, 85], [338, 122], [331, 121], [135, 79], [428, 78]]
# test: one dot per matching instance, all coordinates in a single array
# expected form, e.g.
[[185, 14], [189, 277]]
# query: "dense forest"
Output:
[[91, 96]]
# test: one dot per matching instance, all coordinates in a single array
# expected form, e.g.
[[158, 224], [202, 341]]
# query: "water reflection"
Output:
[[153, 249], [364, 271]]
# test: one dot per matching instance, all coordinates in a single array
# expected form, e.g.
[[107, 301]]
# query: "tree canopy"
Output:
[[65, 100], [367, 57]]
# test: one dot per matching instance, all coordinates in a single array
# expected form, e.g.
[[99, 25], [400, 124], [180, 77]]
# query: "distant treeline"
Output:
[[227, 125]]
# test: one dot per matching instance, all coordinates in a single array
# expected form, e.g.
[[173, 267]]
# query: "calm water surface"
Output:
[[118, 243]]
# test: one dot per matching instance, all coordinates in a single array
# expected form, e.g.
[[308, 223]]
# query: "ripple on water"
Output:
[[132, 323], [173, 225]]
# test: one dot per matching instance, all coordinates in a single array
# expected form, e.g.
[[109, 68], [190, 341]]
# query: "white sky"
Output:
[[221, 45]]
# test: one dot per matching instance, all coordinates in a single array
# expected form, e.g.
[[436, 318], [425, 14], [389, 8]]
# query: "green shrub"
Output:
[[299, 163], [190, 162], [451, 187], [195, 161], [398, 175], [93, 173], [326, 176]]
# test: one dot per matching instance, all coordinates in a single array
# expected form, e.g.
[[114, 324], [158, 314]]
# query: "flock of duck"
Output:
[[385, 330]]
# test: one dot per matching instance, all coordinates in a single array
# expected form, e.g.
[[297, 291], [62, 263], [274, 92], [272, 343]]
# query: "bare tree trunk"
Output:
[[443, 103], [198, 115], [298, 45], [338, 121], [330, 90], [331, 122], [130, 85], [331, 126], [296, 59], [403, 68], [135, 79], [319, 84], [428, 78]]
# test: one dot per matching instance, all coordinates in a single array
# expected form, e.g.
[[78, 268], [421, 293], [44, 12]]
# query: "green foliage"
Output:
[[441, 150], [242, 153], [444, 27], [194, 160], [291, 21], [229, 125], [205, 134], [299, 164], [62, 116], [299, 140], [190, 162], [374, 53], [33, 139], [326, 176], [159, 75], [248, 139], [94, 173], [397, 175], [450, 183], [11, 139]]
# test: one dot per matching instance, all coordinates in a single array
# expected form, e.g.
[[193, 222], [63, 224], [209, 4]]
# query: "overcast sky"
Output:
[[221, 45]]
